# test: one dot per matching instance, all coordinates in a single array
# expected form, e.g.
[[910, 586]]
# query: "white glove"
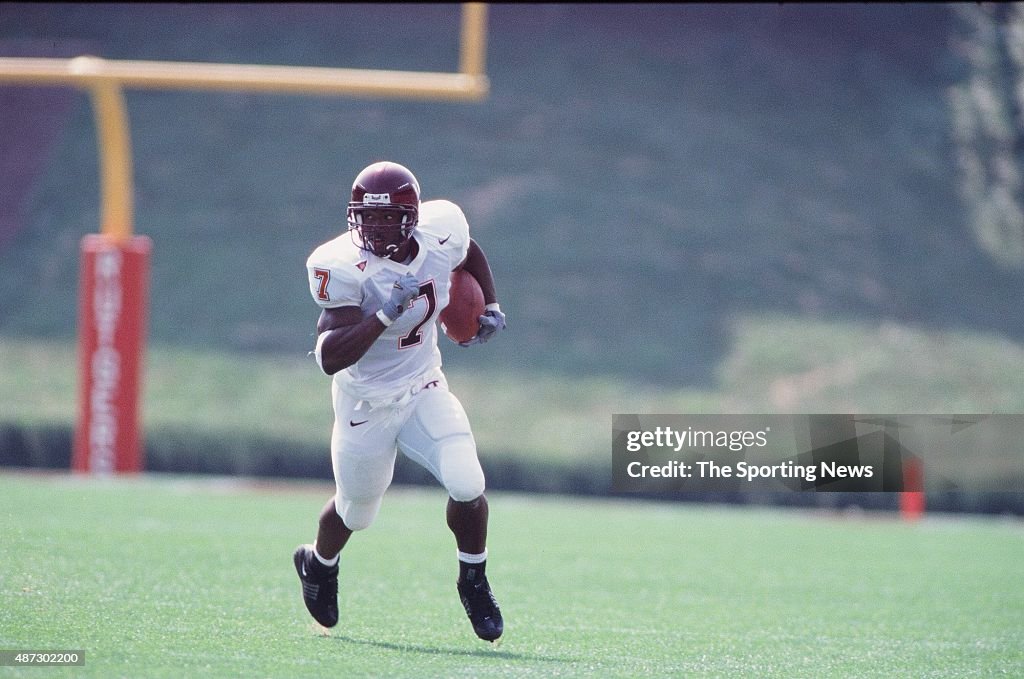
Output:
[[405, 290], [490, 323]]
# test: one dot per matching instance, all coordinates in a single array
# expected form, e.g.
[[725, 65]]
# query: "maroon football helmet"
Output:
[[384, 209]]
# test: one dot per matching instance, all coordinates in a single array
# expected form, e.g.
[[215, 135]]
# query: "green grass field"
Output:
[[173, 576]]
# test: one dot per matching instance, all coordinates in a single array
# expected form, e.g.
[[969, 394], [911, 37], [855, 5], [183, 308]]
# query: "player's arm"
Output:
[[493, 319], [476, 264], [344, 334]]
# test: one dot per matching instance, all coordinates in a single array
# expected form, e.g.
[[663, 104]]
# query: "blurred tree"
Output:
[[987, 109]]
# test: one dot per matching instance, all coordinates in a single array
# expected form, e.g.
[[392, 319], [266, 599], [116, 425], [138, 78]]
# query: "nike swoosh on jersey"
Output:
[[442, 241], [353, 423]]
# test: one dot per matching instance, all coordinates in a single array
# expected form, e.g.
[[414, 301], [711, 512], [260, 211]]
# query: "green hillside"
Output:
[[640, 176]]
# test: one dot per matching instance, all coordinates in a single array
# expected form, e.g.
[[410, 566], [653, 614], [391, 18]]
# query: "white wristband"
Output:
[[317, 352], [383, 318], [493, 306]]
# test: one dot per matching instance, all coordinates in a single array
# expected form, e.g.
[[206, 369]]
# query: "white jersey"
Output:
[[340, 274]]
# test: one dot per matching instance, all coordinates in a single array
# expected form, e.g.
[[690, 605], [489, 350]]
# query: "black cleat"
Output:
[[481, 608], [319, 586]]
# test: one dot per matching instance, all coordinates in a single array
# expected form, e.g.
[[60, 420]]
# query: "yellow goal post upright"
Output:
[[113, 291]]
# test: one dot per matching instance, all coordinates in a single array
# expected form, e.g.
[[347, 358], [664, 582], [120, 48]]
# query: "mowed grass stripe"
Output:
[[172, 576]]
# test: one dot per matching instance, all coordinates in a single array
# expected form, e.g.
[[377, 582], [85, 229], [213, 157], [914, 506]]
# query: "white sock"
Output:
[[326, 562], [473, 558]]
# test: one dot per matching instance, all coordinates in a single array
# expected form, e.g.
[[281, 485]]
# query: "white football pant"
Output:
[[429, 426]]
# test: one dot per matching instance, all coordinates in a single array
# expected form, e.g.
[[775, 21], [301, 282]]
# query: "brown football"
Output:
[[460, 319]]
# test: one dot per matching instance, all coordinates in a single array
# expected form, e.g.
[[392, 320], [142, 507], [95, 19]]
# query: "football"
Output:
[[460, 319]]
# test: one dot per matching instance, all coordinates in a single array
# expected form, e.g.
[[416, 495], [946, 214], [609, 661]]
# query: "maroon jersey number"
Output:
[[415, 336], [324, 276]]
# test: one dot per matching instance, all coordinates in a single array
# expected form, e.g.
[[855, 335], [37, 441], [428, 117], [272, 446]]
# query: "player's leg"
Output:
[[363, 458], [332, 533], [468, 522], [437, 435]]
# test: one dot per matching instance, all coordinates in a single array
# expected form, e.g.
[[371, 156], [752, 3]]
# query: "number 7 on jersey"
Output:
[[324, 276]]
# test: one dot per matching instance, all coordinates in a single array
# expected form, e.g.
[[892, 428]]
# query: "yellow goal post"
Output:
[[106, 79], [114, 271]]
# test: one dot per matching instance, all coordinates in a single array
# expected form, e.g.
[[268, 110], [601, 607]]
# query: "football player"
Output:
[[380, 288]]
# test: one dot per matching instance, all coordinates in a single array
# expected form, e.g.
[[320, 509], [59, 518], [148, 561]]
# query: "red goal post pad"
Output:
[[112, 305]]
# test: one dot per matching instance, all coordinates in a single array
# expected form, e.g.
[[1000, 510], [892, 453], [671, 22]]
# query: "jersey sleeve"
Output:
[[328, 283], [444, 224], [458, 243]]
